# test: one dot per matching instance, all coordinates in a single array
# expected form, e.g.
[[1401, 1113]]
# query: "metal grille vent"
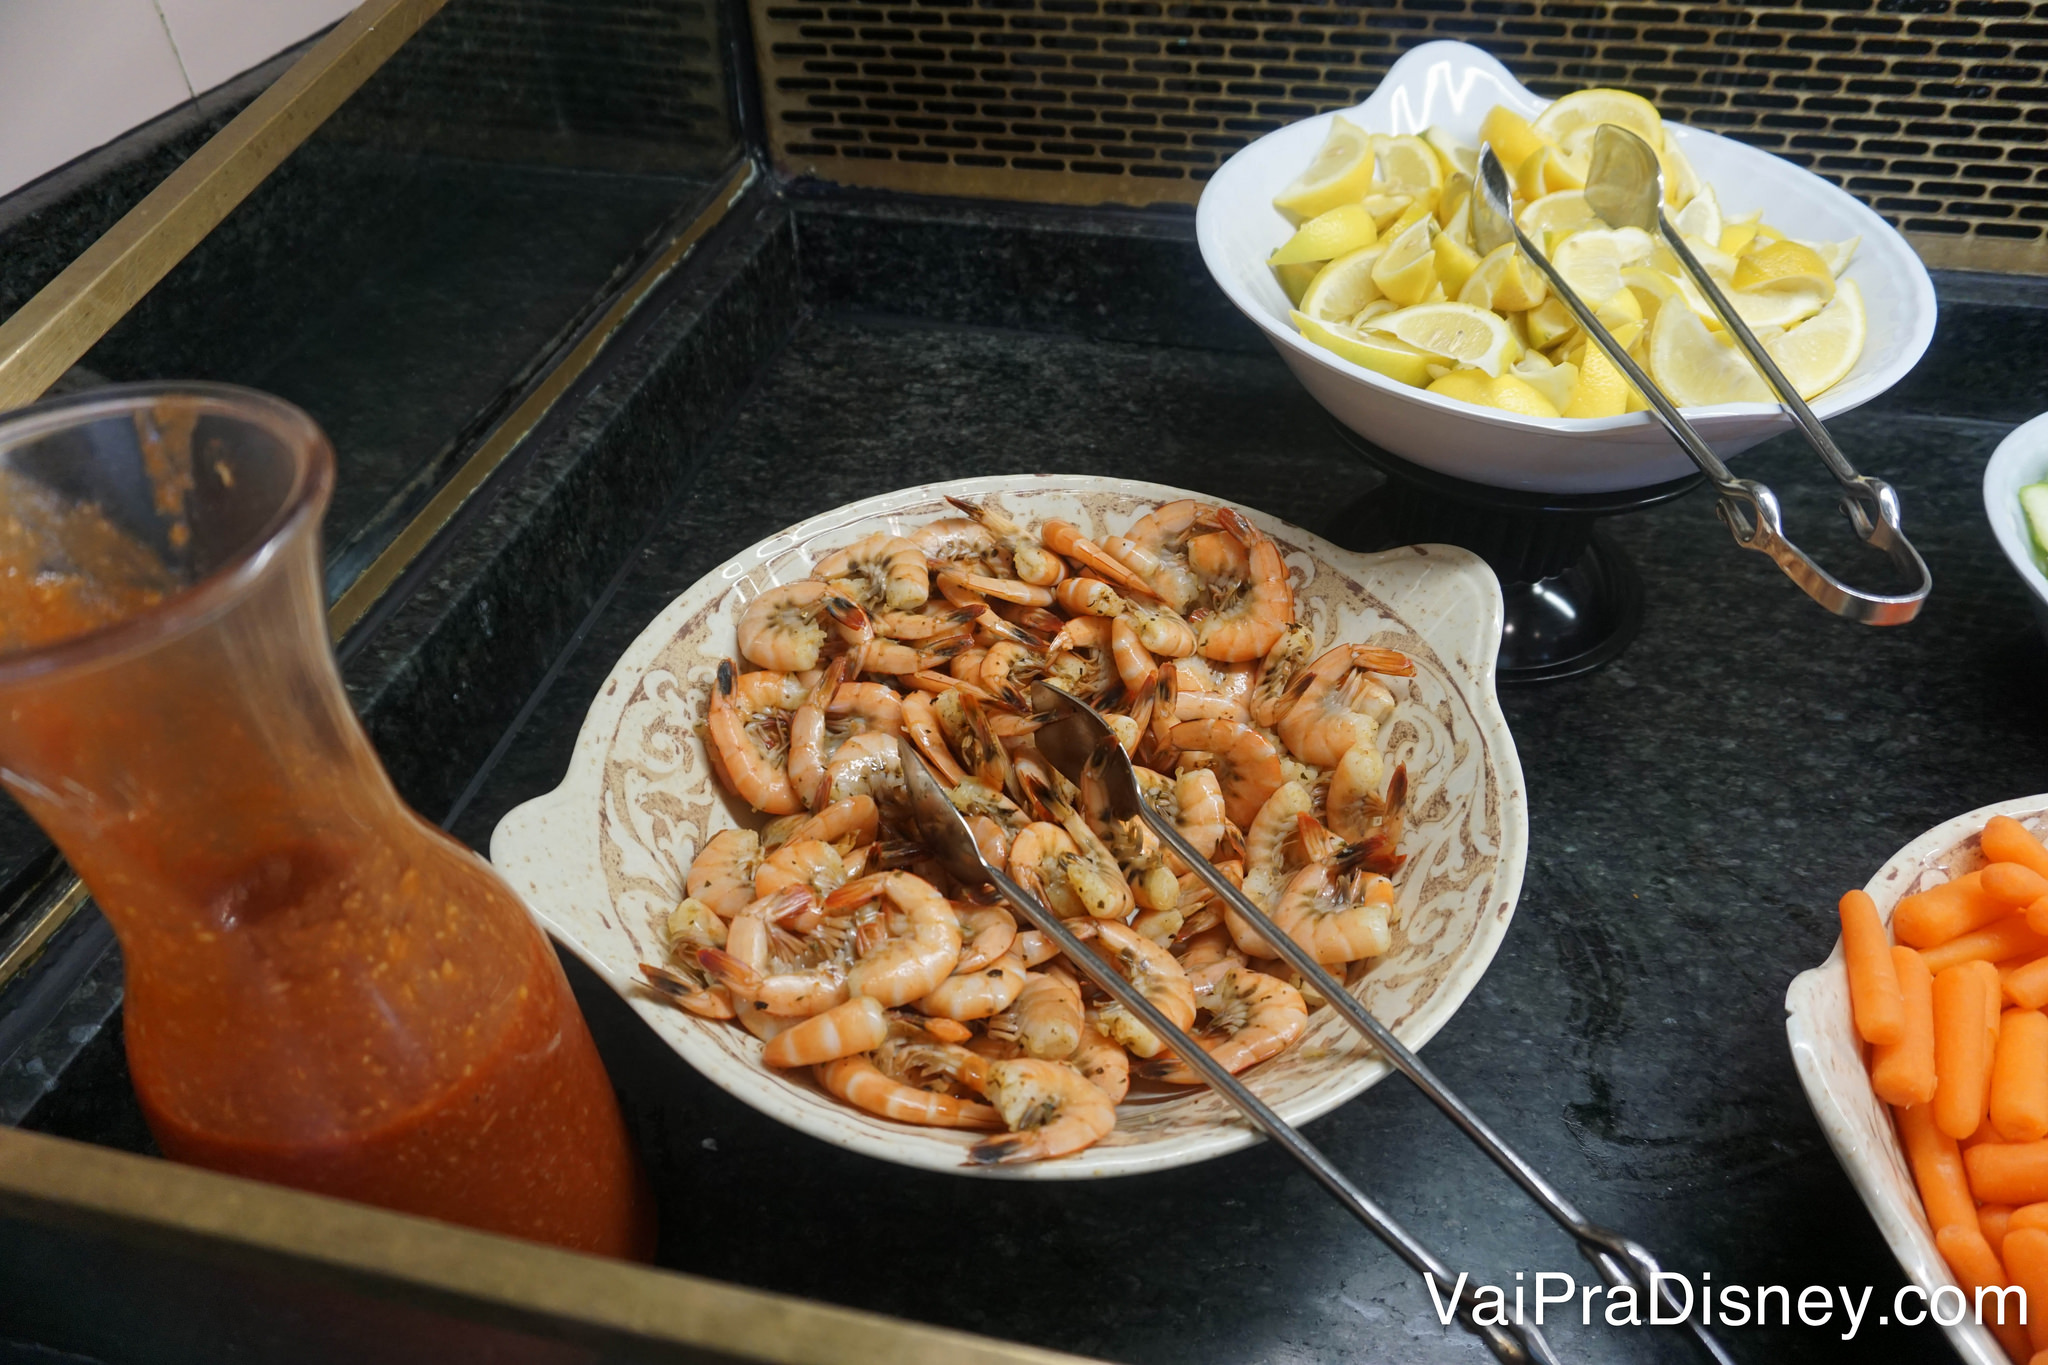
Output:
[[1935, 112]]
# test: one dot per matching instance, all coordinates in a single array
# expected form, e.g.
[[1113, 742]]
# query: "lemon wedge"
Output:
[[1698, 369], [1342, 287], [1504, 281], [1701, 217], [1340, 174], [1457, 331], [1295, 279], [1588, 109], [1457, 191], [1385, 208], [1784, 267], [1455, 262], [1548, 323], [1592, 259], [1736, 237], [1776, 307], [1385, 355], [1836, 254], [1547, 171], [1817, 354], [1513, 140], [1554, 382], [1506, 392], [1327, 236], [1681, 181], [1406, 270], [1601, 390], [1456, 156], [1563, 212], [1407, 164]]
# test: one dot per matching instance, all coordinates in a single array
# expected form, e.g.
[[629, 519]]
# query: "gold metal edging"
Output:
[[72, 312], [376, 579], [472, 1274], [56, 917]]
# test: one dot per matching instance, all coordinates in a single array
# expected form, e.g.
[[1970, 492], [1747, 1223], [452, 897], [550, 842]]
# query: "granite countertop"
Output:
[[1695, 810]]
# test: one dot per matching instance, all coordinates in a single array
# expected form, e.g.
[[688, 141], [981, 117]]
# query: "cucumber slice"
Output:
[[2034, 502]]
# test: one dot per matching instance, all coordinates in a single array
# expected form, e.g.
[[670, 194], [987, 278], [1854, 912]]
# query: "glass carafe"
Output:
[[323, 990]]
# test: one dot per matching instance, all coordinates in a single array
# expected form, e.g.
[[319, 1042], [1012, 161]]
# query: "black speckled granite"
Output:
[[1695, 809]]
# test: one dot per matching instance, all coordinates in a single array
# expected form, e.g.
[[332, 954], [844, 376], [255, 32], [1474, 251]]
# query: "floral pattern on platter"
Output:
[[1829, 1058], [602, 858]]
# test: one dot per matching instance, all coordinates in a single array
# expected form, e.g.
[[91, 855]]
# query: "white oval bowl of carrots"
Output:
[[1923, 1048]]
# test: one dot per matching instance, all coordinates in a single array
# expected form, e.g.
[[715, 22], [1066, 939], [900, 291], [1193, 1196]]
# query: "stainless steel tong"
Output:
[[944, 833], [1078, 741], [1625, 187]]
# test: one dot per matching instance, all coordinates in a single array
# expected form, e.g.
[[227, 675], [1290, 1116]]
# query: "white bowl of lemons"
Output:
[[1365, 278]]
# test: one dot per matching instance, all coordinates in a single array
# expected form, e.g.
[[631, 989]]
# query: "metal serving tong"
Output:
[[1078, 740], [944, 833], [1626, 189]]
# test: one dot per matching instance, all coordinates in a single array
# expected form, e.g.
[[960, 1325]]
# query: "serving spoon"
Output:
[[1625, 186], [1080, 744], [943, 832]]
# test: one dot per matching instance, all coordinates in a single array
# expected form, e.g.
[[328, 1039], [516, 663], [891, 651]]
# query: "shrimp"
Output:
[[811, 863], [1355, 803], [783, 629], [1064, 538], [976, 994], [857, 1081], [810, 741], [722, 875], [866, 765], [1270, 697], [1156, 975], [878, 571], [986, 933], [1252, 1017], [858, 1025], [1135, 666], [966, 726], [1091, 872], [1337, 704], [1034, 563], [921, 942], [1335, 908], [1162, 631], [1246, 764], [1273, 852], [704, 1001], [1008, 670], [995, 819], [849, 823], [1033, 948], [1135, 849], [749, 731], [1251, 619], [1088, 597], [1154, 548], [1050, 1108], [1103, 1061], [1207, 948], [934, 620], [693, 924], [1048, 1015], [921, 723], [747, 967], [963, 541]]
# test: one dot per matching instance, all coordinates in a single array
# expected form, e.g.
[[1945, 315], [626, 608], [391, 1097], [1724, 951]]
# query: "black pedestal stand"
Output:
[[1573, 598]]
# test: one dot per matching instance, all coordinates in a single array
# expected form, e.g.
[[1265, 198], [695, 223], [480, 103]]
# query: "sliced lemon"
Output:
[[1548, 323], [1422, 206], [1457, 190], [1592, 259], [1817, 354], [1327, 236], [1547, 171], [1295, 279], [1510, 135], [1563, 212], [1681, 181], [1591, 108], [1504, 281], [1698, 369], [1736, 237], [1385, 208], [1342, 287], [1376, 308], [1455, 262], [1836, 254], [1456, 156], [1457, 331], [1467, 386], [1785, 267], [1340, 174], [1385, 355], [1776, 307], [1407, 164], [1406, 270], [1701, 217], [1460, 223], [1601, 390], [1554, 382]]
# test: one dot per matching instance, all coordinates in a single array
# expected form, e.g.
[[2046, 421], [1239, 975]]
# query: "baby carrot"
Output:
[[2014, 883], [2027, 984], [1962, 1057], [2037, 915], [1976, 1267], [2019, 1077], [1874, 997], [2026, 1265], [1902, 1073], [1994, 1221], [2009, 1172], [1937, 915], [2027, 1216], [2009, 936], [1938, 1168], [2006, 840]]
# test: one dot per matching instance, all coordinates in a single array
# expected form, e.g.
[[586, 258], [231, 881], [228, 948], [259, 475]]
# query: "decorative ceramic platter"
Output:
[[1829, 1056], [601, 859]]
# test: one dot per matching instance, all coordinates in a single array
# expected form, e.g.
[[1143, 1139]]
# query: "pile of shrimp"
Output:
[[831, 936]]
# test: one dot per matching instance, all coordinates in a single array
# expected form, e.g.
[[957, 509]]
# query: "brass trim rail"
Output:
[[72, 312]]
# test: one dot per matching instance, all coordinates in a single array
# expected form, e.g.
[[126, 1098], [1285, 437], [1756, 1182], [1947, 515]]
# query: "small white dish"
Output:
[[1829, 1057], [601, 858], [2021, 459], [1453, 85]]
